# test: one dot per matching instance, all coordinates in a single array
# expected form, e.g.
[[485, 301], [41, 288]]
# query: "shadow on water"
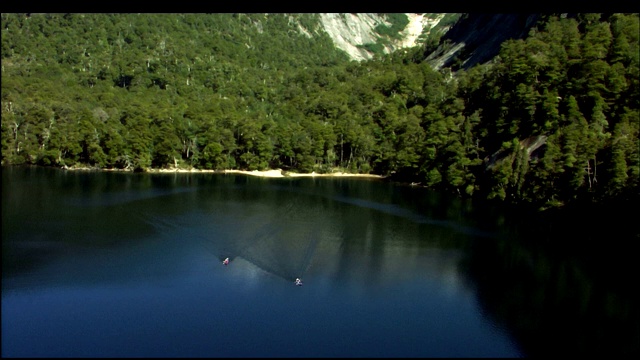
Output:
[[562, 282], [341, 193], [396, 210]]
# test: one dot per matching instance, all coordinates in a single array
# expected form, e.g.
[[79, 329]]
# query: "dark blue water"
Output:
[[122, 264]]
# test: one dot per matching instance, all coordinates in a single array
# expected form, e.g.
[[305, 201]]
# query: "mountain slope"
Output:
[[477, 38]]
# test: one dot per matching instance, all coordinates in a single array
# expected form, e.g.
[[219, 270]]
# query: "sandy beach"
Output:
[[275, 173], [278, 173]]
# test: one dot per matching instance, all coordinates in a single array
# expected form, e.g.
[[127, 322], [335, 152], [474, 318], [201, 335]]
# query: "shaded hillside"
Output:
[[476, 38]]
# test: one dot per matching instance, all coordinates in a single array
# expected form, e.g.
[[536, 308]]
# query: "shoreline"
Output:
[[278, 173], [274, 173]]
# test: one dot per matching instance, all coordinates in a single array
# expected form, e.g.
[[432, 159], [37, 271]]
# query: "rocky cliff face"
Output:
[[477, 38], [474, 39], [348, 31]]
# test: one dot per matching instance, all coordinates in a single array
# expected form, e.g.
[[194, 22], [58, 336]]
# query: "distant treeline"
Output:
[[552, 119]]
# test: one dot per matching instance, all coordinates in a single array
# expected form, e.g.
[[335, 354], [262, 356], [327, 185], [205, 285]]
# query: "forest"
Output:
[[552, 120]]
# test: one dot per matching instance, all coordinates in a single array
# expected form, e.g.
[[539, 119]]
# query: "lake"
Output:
[[110, 264]]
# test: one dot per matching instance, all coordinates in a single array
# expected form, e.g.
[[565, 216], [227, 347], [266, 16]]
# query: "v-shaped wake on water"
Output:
[[281, 244]]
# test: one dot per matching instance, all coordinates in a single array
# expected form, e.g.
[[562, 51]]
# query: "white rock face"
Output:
[[350, 30]]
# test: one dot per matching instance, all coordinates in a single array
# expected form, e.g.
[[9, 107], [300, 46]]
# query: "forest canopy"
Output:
[[552, 119]]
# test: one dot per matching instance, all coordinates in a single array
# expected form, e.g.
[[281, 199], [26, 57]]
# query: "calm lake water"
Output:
[[130, 265]]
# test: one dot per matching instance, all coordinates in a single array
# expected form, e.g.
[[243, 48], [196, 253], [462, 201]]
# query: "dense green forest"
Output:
[[553, 119]]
